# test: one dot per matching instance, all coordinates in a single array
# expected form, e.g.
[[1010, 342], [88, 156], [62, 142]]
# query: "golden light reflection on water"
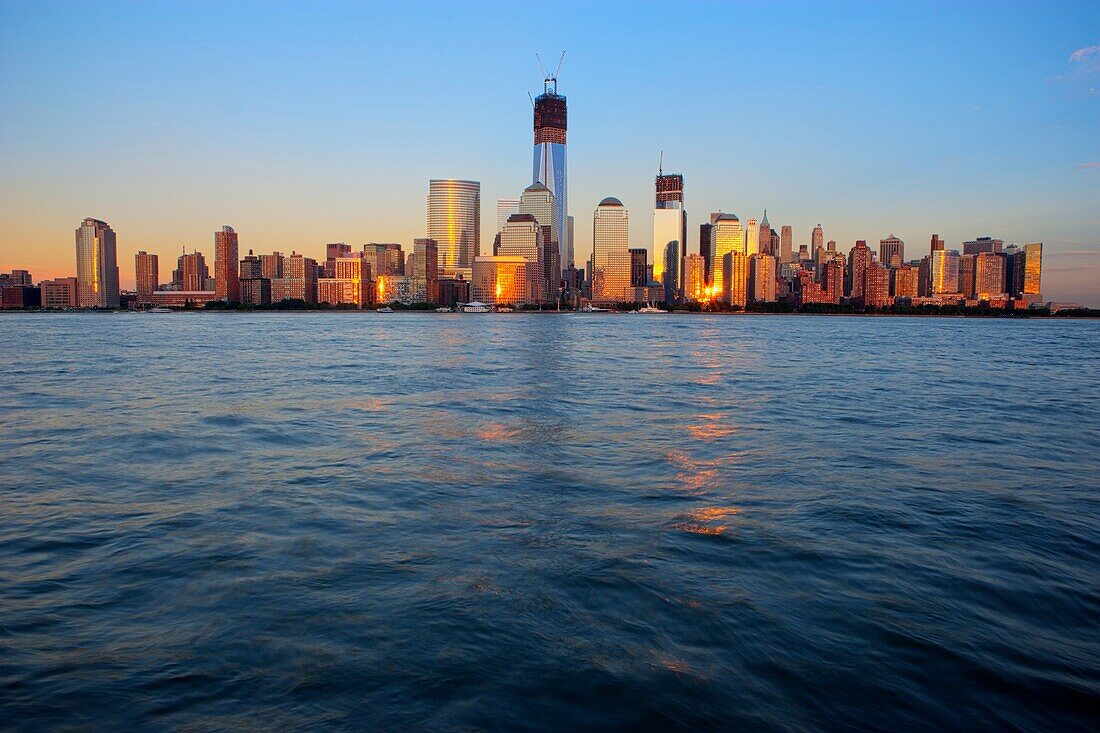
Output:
[[703, 521], [497, 432]]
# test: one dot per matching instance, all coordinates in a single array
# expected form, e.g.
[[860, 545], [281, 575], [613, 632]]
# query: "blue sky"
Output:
[[302, 123]]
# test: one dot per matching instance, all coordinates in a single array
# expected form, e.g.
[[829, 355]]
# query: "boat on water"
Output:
[[593, 309], [476, 307], [504, 309], [158, 310], [649, 309], [385, 309], [445, 309]]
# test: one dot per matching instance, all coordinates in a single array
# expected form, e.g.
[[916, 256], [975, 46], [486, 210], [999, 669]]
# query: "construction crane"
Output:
[[550, 79]]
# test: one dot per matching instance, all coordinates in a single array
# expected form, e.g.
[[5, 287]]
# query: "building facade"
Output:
[[454, 221], [549, 159], [611, 259], [96, 265], [226, 283]]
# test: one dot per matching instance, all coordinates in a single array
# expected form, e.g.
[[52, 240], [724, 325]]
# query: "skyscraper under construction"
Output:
[[549, 166]]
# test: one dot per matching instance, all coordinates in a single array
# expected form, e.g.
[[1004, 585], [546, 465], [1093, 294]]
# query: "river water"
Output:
[[548, 522]]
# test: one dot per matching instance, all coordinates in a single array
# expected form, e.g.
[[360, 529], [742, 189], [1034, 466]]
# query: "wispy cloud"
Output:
[[1083, 166], [1087, 58]]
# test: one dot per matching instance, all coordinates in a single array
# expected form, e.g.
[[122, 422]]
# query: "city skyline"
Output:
[[965, 187]]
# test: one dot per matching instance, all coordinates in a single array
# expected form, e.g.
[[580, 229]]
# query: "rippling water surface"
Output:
[[414, 521]]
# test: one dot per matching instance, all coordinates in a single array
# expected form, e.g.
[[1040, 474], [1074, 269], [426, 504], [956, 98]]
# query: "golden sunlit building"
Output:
[[695, 284], [761, 279], [503, 280], [726, 236], [454, 221], [735, 278], [611, 260], [351, 286]]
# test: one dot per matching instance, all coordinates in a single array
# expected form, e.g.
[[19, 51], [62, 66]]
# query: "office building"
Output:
[[549, 160], [762, 279], [875, 289], [989, 275], [982, 244], [726, 235], [891, 251], [945, 272], [333, 250], [96, 265], [538, 201], [966, 275], [735, 278], [816, 239], [454, 221], [904, 282], [639, 267], [59, 292], [859, 258], [611, 260], [146, 274], [669, 222], [503, 280], [704, 251], [695, 278], [1033, 268], [786, 244], [226, 284]]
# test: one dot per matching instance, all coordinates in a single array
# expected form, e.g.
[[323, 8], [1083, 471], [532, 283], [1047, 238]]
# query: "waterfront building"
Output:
[[832, 281], [146, 274], [876, 285], [255, 290], [425, 260], [945, 272], [538, 201], [704, 251], [982, 244], [454, 221], [522, 236], [181, 298], [695, 278], [299, 281], [191, 272], [671, 273], [735, 278], [16, 277], [352, 284], [59, 293], [989, 276], [333, 250], [761, 288], [272, 265], [726, 235], [859, 257], [639, 266], [14, 297], [96, 265], [451, 291], [817, 237], [549, 160], [891, 251], [385, 258], [807, 290], [786, 240], [966, 275], [669, 222], [503, 280], [1014, 270], [904, 282], [226, 283], [1033, 268], [611, 259]]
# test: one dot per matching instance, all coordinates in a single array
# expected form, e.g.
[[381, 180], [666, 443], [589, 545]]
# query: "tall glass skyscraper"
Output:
[[454, 221], [549, 157], [669, 222], [610, 251], [96, 265]]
